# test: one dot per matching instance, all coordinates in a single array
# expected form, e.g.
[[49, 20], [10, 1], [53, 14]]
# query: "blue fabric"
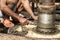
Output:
[[1, 15]]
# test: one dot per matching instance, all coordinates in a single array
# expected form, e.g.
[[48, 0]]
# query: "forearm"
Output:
[[27, 7], [10, 12]]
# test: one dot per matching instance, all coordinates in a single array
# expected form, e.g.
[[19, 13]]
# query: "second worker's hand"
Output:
[[35, 17], [7, 23], [23, 21]]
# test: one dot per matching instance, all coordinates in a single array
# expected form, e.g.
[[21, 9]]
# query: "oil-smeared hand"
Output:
[[23, 21], [35, 17]]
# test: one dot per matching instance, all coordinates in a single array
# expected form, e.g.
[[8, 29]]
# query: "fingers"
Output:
[[23, 21], [19, 3], [20, 8]]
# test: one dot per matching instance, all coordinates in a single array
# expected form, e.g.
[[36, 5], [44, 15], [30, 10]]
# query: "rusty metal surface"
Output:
[[33, 34], [13, 37]]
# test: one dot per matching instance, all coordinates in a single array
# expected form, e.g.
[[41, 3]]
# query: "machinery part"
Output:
[[22, 30], [46, 16], [46, 21], [47, 31], [57, 11], [18, 30], [25, 14], [57, 16]]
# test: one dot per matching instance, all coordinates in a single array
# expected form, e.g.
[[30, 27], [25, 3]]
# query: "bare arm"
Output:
[[27, 7], [9, 12]]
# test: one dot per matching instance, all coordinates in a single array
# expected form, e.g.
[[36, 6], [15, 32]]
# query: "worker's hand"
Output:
[[23, 21], [7, 23], [35, 17]]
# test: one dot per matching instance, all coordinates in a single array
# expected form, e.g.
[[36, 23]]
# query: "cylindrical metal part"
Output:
[[46, 21], [46, 2], [46, 15]]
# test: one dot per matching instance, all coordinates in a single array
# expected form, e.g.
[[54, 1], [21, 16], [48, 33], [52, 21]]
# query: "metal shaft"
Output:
[[46, 15]]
